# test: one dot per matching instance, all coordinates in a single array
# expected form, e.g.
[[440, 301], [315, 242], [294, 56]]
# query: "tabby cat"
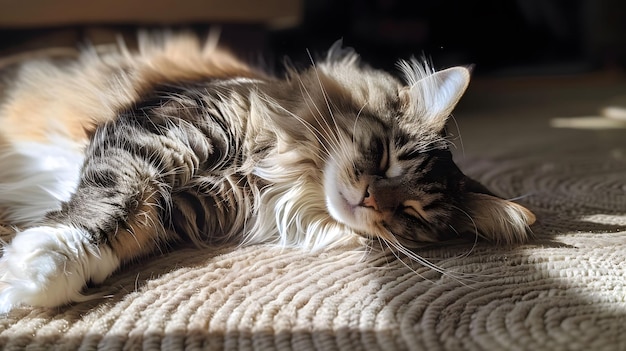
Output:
[[120, 153]]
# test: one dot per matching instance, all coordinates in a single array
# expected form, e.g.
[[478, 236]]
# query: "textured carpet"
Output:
[[565, 290]]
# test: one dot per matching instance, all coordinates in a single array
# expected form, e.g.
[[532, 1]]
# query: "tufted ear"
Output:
[[341, 54], [431, 96]]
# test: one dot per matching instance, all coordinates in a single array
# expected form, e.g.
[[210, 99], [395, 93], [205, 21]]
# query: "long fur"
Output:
[[181, 141]]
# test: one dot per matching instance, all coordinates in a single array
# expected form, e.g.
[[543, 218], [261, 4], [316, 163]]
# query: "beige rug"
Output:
[[566, 290]]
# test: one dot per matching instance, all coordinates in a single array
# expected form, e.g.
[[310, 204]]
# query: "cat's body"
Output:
[[117, 155]]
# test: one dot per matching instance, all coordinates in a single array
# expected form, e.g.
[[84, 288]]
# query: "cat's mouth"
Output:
[[340, 208], [345, 202], [343, 207], [352, 214]]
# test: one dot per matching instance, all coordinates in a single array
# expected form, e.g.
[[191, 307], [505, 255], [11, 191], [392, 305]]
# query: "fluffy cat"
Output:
[[119, 153]]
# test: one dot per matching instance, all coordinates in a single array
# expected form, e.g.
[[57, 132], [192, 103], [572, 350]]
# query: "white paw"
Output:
[[49, 266]]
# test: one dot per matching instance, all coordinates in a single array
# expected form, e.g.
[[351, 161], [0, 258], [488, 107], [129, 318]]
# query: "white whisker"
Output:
[[331, 138], [328, 106], [396, 246]]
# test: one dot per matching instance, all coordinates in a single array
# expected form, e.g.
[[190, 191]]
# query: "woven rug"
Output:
[[565, 290]]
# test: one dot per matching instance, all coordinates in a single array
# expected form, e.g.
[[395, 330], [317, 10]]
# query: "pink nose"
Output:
[[383, 194], [369, 201]]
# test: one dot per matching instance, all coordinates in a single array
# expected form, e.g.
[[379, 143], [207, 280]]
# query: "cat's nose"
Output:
[[382, 195], [369, 200]]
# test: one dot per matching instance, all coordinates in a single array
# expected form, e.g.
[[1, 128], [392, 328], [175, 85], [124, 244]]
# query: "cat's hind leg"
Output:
[[106, 222], [99, 228], [120, 211], [48, 266], [35, 178], [111, 219]]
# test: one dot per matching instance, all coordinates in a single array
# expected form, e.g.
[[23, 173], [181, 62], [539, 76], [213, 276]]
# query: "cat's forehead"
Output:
[[376, 100], [396, 130]]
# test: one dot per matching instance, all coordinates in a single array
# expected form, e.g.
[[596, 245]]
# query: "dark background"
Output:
[[499, 37]]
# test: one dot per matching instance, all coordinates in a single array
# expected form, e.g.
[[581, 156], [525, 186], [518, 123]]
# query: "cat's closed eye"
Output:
[[383, 150], [414, 208]]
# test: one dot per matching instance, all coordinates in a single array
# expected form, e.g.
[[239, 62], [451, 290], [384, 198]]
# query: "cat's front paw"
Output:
[[49, 266]]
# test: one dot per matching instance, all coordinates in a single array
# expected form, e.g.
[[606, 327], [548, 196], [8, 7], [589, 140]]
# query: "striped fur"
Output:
[[181, 142]]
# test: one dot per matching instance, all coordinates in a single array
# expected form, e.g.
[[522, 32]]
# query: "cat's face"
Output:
[[387, 169], [392, 183]]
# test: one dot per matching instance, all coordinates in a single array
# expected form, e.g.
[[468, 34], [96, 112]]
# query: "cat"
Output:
[[120, 153]]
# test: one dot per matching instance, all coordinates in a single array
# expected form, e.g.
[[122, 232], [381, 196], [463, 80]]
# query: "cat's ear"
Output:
[[431, 96], [342, 54]]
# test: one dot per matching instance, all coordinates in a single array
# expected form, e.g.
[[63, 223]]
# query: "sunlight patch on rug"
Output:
[[611, 117]]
